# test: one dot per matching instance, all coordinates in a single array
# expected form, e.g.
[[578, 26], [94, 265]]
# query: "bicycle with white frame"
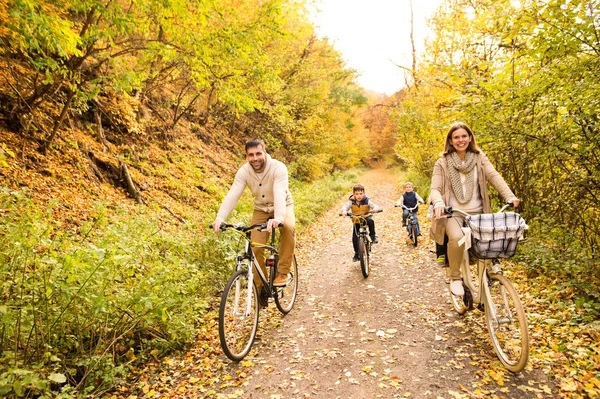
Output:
[[489, 237]]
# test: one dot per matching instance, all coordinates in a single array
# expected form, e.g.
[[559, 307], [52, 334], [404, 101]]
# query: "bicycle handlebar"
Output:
[[407, 208], [449, 210], [239, 227], [370, 213]]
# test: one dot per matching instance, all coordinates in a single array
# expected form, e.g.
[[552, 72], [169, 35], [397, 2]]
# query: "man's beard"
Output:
[[258, 165]]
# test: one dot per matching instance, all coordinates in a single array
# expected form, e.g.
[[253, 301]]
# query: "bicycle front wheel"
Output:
[[238, 316], [286, 296], [363, 255], [413, 234], [506, 323]]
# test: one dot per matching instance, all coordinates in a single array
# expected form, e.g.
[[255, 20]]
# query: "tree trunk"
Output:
[[58, 122], [414, 50], [135, 194]]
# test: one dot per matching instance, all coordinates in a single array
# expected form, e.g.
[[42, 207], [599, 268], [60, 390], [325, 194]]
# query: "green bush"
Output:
[[79, 307], [311, 200], [76, 305]]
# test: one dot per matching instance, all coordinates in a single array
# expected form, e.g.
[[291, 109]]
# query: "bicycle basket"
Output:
[[495, 235]]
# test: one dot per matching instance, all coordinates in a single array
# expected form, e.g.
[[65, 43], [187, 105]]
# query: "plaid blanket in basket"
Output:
[[495, 235]]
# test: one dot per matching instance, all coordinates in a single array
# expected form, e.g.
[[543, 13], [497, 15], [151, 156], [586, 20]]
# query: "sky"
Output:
[[372, 35]]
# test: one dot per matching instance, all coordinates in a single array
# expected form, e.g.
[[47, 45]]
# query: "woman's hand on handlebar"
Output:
[[439, 211]]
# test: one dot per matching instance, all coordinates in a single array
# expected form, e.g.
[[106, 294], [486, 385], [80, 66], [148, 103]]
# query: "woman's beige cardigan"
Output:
[[441, 190]]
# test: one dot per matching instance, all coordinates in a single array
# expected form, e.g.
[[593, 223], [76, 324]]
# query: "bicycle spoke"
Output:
[[238, 316], [507, 324]]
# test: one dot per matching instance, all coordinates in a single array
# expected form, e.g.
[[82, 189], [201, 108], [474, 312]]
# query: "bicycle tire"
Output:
[[413, 235], [510, 337], [236, 329], [363, 255], [286, 296]]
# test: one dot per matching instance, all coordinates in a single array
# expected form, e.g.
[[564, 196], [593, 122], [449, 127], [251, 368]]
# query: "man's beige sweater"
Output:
[[271, 191]]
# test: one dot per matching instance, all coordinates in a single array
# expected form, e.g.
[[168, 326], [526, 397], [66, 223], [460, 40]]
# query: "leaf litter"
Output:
[[393, 332]]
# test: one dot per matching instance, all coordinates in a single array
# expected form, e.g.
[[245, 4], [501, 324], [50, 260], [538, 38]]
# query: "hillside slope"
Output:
[[180, 175]]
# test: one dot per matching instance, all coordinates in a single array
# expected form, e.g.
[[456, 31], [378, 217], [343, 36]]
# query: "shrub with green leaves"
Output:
[[80, 306]]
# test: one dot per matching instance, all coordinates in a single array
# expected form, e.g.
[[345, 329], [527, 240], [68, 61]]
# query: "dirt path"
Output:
[[392, 335]]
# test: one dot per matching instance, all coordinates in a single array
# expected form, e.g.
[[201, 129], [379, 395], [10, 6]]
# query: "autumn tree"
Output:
[[522, 74]]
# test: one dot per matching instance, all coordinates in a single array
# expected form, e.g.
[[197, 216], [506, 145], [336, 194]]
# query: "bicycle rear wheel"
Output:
[[363, 255], [286, 296], [506, 322], [238, 322]]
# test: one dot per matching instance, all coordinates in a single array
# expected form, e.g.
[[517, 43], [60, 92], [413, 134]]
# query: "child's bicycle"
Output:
[[412, 224], [238, 313], [364, 239], [489, 237]]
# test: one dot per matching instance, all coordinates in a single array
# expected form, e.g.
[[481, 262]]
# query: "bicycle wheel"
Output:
[[413, 234], [238, 321], [286, 296], [363, 255], [506, 323]]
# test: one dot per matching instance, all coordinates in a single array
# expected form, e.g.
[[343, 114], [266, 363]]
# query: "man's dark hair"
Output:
[[255, 143]]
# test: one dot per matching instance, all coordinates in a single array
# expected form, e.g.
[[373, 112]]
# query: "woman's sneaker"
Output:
[[456, 286]]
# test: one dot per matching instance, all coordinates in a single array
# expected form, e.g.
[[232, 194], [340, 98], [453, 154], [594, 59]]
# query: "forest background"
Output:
[[122, 123]]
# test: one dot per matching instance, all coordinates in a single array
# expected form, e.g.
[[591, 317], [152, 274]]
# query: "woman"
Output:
[[459, 180]]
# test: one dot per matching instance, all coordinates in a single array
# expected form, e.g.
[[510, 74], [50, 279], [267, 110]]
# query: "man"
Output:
[[267, 179]]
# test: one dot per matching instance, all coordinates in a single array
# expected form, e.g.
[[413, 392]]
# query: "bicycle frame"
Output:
[[363, 229], [249, 255], [484, 267], [495, 295], [412, 217], [238, 321], [364, 238]]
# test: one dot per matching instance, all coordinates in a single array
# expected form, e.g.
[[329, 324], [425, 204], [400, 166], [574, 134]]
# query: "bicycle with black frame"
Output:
[[241, 301], [364, 238], [489, 237]]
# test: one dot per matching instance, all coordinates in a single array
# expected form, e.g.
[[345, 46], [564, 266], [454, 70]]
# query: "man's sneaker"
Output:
[[281, 280], [263, 298], [456, 286], [355, 258], [375, 240], [403, 224]]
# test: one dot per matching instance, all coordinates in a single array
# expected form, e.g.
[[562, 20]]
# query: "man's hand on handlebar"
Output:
[[216, 225], [272, 224]]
